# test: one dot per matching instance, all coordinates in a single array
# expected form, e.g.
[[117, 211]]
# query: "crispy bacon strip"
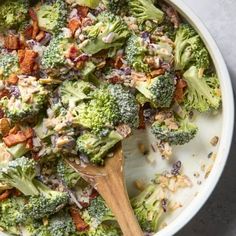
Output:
[[4, 126], [13, 79], [74, 24], [11, 42], [5, 195], [27, 60], [179, 91], [19, 137], [78, 221]]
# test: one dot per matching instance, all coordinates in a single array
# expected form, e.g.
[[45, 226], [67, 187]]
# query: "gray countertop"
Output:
[[218, 216]]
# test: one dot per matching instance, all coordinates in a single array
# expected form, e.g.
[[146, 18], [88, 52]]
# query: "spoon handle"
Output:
[[113, 190]]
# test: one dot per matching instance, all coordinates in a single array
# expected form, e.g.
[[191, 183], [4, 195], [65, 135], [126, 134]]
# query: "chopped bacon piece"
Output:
[[13, 139], [28, 62], [4, 93], [29, 133], [1, 113], [13, 79], [21, 55], [141, 119], [5, 126], [74, 24], [118, 62], [29, 144], [179, 91], [83, 11], [5, 195], [33, 14], [11, 42], [80, 224], [14, 130], [40, 36], [35, 29], [158, 72], [115, 80], [73, 53], [28, 32], [16, 192]]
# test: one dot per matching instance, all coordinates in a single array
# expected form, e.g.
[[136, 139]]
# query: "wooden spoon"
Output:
[[108, 180]]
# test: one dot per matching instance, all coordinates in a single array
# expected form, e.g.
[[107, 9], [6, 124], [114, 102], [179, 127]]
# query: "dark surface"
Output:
[[218, 215]]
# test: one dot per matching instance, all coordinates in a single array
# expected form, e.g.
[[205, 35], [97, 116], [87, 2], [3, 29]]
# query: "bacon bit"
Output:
[[29, 133], [118, 62], [13, 139], [40, 36], [1, 113], [141, 119], [5, 195], [74, 24], [21, 55], [15, 129], [78, 221], [4, 93], [35, 29], [83, 11], [73, 53], [33, 14], [80, 65], [35, 156], [158, 72], [11, 42], [115, 80], [29, 144], [179, 91], [28, 62], [93, 195], [124, 130], [13, 79], [16, 192], [28, 32], [4, 126]]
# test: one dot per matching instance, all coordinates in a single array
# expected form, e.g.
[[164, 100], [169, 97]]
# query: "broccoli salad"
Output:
[[76, 78]]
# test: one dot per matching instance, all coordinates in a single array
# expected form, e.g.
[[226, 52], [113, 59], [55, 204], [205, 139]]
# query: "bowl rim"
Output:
[[227, 121]]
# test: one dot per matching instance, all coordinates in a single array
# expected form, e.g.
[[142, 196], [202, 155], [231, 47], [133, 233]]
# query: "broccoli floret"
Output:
[[46, 203], [110, 32], [10, 213], [115, 6], [145, 10], [128, 107], [20, 174], [27, 101], [135, 53], [69, 176], [99, 211], [203, 92], [179, 135], [189, 49], [148, 208], [103, 230], [41, 231], [52, 17], [18, 150], [43, 201], [87, 3], [54, 55], [61, 224], [8, 65], [99, 113], [96, 147], [159, 90], [72, 92], [13, 13]]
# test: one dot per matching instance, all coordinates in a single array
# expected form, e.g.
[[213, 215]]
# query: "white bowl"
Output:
[[221, 125]]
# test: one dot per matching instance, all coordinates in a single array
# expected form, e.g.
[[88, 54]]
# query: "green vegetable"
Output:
[[10, 213], [135, 53], [189, 49], [52, 17], [8, 65], [54, 55], [115, 6], [13, 13], [147, 207], [73, 92], [18, 150], [30, 102], [145, 10], [67, 174], [102, 230], [184, 132], [96, 147], [86, 3], [159, 90], [203, 92], [110, 32]]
